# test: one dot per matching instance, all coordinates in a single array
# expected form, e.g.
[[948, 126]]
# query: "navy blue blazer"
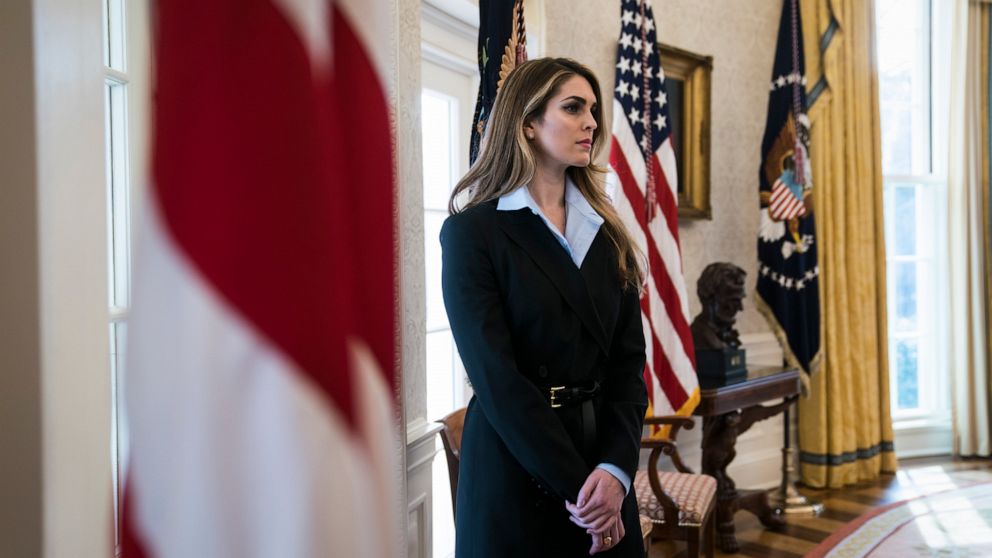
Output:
[[524, 319]]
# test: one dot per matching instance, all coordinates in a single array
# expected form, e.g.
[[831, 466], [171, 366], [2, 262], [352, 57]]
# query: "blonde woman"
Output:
[[541, 284]]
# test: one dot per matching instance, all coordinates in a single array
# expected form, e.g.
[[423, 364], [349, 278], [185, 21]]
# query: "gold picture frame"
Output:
[[688, 86]]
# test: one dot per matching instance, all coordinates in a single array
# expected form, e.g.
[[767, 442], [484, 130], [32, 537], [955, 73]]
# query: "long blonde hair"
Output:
[[507, 161]]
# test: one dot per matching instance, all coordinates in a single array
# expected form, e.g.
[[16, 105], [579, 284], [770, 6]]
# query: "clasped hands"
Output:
[[598, 510]]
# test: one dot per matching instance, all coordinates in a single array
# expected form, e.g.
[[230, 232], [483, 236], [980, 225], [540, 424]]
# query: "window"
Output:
[[911, 93], [445, 123], [450, 82], [125, 90]]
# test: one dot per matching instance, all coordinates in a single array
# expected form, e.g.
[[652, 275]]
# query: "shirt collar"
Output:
[[521, 198]]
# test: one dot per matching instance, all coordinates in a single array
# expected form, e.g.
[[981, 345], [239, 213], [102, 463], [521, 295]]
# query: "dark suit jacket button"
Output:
[[542, 371]]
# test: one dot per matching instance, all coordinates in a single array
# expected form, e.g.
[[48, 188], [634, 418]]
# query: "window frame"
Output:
[[925, 429]]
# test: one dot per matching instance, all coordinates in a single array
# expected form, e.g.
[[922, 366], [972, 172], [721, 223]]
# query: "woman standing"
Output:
[[541, 284]]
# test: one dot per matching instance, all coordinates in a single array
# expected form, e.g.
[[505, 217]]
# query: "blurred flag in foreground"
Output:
[[260, 385]]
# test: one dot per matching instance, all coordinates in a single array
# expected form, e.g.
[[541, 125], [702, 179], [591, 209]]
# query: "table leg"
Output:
[[719, 437]]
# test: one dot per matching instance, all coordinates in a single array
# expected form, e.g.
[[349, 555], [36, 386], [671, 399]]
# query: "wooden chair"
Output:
[[451, 437], [680, 504]]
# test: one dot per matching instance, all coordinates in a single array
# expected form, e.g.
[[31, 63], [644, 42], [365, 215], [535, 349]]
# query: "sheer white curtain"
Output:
[[969, 282]]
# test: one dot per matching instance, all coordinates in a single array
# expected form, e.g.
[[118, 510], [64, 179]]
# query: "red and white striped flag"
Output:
[[260, 380], [642, 158], [783, 204]]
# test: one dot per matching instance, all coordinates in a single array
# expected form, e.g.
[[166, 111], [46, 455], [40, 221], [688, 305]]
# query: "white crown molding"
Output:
[[451, 16], [447, 59], [457, 16], [465, 10]]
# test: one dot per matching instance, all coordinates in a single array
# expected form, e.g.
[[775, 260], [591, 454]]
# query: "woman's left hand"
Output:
[[613, 537], [599, 502]]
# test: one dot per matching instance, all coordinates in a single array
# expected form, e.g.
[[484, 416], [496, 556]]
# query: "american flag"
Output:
[[643, 159], [783, 203], [262, 349]]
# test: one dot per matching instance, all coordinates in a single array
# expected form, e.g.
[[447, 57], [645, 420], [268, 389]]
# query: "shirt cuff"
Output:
[[618, 473]]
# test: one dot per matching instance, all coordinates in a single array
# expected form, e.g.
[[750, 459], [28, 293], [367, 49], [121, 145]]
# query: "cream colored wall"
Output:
[[740, 36]]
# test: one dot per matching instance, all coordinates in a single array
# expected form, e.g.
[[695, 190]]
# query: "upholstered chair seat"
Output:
[[692, 494], [679, 503]]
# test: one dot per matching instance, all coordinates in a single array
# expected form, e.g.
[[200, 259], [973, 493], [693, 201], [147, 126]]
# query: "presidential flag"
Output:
[[642, 158], [502, 47], [260, 383], [788, 274]]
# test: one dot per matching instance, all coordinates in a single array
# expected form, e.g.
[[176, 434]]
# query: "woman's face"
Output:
[[562, 136]]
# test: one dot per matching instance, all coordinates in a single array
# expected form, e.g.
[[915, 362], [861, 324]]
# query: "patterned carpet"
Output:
[[846, 509], [953, 523]]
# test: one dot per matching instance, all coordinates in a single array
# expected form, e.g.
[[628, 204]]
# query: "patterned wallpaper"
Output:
[[740, 36], [406, 120]]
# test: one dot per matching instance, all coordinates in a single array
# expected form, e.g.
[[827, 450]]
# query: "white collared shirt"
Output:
[[581, 223]]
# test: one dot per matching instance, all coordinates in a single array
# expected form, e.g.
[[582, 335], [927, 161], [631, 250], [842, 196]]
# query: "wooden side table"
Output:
[[727, 413]]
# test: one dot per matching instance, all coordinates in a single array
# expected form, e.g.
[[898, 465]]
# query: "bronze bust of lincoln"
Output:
[[720, 289]]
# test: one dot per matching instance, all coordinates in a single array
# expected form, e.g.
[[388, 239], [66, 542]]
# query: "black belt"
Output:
[[565, 396]]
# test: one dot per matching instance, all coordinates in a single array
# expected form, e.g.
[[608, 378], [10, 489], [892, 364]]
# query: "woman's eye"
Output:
[[571, 109]]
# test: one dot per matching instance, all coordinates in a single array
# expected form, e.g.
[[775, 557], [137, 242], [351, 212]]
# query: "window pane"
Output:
[[439, 137], [108, 161], [903, 41], [114, 34], [906, 289], [118, 429], [904, 217], [114, 456], [117, 195], [436, 316], [440, 374], [907, 374]]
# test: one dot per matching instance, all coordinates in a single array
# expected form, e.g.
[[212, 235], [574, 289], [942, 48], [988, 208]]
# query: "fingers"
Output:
[[616, 531], [614, 534], [597, 544], [604, 494], [600, 526], [587, 488], [583, 520], [595, 518]]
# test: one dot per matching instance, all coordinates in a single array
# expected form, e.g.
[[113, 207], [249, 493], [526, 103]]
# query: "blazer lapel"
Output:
[[599, 269], [532, 235]]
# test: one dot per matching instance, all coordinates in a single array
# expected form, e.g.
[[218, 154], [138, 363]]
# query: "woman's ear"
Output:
[[529, 131]]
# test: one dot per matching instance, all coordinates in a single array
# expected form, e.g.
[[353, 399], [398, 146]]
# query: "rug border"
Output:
[[828, 544]]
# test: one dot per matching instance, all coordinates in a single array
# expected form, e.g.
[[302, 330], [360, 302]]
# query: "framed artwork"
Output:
[[688, 85]]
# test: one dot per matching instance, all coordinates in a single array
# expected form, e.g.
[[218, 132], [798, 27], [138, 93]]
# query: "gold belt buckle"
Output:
[[554, 393]]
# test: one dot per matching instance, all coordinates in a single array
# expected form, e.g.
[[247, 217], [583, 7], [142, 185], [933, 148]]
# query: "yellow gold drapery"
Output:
[[845, 425]]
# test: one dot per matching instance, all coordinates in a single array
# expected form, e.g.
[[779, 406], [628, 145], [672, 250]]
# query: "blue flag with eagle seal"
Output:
[[788, 290], [502, 47]]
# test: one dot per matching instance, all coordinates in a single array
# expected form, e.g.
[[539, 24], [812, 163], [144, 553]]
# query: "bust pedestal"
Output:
[[720, 367]]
